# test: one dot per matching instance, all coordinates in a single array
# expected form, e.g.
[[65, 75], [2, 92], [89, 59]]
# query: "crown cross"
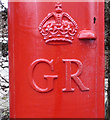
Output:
[[57, 30]]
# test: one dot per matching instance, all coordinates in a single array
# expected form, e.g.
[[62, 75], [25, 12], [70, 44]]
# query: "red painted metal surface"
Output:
[[53, 73], [87, 34]]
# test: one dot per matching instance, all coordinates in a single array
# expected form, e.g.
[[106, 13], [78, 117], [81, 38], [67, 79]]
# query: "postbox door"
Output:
[[56, 55]]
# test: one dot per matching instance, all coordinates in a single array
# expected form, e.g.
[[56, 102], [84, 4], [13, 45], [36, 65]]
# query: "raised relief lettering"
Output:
[[49, 78], [75, 76]]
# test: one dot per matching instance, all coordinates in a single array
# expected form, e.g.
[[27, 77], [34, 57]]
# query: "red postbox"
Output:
[[56, 52]]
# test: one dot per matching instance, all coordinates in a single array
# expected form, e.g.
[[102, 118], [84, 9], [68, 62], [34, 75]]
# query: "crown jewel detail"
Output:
[[56, 29]]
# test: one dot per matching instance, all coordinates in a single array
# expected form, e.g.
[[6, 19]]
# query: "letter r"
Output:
[[75, 76]]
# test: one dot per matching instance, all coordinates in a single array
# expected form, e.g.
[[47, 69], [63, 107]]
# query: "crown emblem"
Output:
[[58, 27]]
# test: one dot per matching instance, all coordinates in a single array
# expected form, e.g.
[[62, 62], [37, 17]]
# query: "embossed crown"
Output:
[[58, 27]]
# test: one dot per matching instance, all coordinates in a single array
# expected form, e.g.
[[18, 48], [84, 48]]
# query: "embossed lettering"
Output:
[[74, 76], [49, 78]]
